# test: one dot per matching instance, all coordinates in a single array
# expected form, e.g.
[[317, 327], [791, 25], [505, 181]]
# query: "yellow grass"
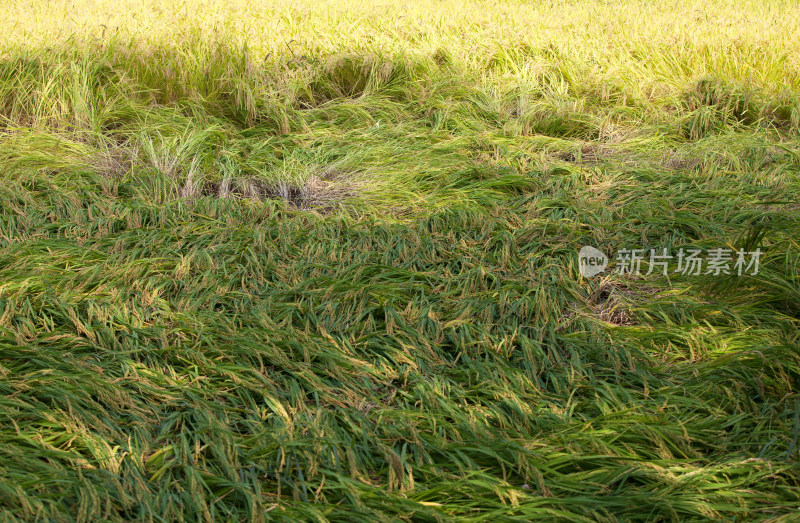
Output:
[[648, 42]]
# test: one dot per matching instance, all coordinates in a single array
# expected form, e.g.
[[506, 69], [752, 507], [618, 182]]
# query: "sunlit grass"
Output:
[[318, 261]]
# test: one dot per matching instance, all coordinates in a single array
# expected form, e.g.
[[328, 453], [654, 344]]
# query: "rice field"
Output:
[[319, 261]]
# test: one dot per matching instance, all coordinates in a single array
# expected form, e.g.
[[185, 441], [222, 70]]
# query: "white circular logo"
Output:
[[591, 261]]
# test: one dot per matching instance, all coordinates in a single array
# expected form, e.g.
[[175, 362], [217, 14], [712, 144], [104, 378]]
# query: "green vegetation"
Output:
[[321, 264]]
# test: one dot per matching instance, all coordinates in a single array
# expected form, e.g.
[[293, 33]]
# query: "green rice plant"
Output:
[[318, 262]]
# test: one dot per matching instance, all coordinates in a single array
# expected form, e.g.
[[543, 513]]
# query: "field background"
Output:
[[318, 261]]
